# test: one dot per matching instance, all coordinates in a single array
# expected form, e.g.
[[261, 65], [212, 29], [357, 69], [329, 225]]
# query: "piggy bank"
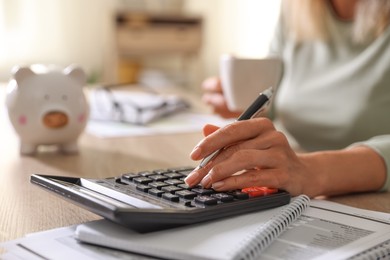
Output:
[[47, 107]]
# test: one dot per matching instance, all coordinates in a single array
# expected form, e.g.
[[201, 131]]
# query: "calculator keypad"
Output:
[[169, 185]]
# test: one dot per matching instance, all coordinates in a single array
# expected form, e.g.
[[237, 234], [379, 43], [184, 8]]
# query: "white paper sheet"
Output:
[[183, 122]]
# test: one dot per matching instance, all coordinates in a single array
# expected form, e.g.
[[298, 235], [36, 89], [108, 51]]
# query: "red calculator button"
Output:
[[259, 191]]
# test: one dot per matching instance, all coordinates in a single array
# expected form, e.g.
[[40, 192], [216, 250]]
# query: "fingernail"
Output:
[[217, 185], [195, 153], [206, 181], [191, 178]]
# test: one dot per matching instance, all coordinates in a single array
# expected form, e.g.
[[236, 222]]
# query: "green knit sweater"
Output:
[[335, 94]]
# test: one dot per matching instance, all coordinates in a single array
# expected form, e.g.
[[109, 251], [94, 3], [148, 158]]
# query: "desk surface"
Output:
[[25, 208]]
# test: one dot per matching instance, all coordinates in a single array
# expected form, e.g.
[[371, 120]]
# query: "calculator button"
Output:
[[171, 197], [171, 189], [142, 180], [206, 200], [239, 195], [158, 177], [186, 194], [118, 179], [146, 173], [184, 186], [202, 191], [259, 191], [142, 187], [174, 181], [161, 171], [223, 197], [158, 184], [187, 203], [156, 192], [173, 175], [129, 176]]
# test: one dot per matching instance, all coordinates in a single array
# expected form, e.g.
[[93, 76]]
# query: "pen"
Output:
[[252, 111]]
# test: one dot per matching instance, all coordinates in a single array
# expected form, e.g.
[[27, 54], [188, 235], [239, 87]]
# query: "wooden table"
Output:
[[26, 208]]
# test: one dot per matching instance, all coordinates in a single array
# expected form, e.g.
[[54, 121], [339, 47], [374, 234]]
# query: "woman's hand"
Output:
[[253, 154], [213, 96]]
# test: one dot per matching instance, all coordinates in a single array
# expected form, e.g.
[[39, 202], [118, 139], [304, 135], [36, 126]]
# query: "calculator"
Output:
[[158, 199]]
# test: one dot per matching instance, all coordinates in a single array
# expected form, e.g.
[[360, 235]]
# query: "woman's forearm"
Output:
[[356, 169]]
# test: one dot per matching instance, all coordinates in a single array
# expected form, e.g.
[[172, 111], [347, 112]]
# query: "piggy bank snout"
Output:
[[55, 119]]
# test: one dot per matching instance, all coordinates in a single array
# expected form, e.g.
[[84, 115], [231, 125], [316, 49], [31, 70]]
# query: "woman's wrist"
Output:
[[315, 181], [358, 169]]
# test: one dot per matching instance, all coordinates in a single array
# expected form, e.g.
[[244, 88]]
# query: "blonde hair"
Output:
[[307, 19]]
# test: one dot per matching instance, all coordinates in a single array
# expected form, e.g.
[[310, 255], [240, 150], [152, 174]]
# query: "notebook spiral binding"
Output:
[[261, 238], [381, 251]]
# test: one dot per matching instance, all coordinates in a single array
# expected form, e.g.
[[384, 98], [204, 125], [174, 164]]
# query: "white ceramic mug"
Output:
[[243, 79]]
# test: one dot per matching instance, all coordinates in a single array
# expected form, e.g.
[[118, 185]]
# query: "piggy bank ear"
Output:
[[22, 73], [76, 73]]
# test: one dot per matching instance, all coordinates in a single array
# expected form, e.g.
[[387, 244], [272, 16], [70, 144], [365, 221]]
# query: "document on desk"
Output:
[[326, 230], [133, 111], [184, 122], [60, 244], [330, 230], [134, 107]]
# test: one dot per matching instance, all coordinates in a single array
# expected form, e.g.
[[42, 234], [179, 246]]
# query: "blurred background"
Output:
[[155, 42]]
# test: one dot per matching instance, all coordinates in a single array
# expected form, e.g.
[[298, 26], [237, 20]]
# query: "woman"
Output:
[[334, 99]]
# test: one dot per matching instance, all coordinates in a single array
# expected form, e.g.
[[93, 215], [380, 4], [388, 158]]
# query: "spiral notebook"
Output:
[[381, 251], [242, 237]]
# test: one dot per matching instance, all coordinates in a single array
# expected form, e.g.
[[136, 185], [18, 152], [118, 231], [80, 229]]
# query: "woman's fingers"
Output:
[[254, 154], [209, 129], [213, 96], [212, 84], [237, 157], [236, 132], [197, 175], [216, 100], [251, 178], [243, 160]]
